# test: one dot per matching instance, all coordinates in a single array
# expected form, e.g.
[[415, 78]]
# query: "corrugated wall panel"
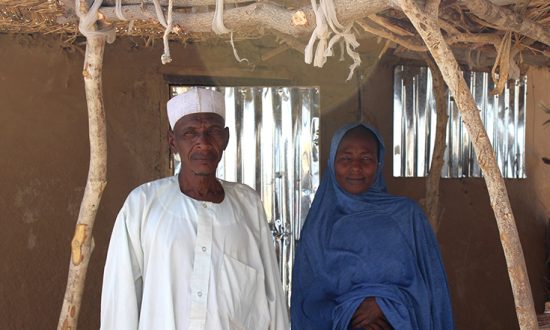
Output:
[[415, 117]]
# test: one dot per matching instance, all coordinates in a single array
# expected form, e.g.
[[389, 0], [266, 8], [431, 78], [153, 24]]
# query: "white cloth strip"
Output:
[[86, 24], [217, 23], [166, 58], [118, 10]]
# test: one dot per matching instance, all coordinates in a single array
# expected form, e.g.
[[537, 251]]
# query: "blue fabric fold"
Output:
[[369, 245]]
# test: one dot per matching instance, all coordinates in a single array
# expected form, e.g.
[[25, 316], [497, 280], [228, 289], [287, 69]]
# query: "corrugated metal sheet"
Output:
[[274, 149], [415, 119]]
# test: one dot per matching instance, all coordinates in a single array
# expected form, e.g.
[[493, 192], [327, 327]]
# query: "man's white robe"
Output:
[[178, 263]]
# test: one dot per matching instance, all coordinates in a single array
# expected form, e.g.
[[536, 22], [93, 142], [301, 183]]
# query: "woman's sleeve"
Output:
[[433, 271]]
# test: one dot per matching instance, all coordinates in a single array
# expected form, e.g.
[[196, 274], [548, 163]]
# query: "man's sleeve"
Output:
[[278, 309], [122, 281]]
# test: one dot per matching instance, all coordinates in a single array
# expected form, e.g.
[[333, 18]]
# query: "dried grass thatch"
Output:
[[471, 37]]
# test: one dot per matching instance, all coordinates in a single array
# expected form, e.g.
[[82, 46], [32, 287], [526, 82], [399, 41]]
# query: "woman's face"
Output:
[[356, 161]]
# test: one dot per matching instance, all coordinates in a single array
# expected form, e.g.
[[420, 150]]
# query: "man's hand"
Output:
[[369, 316]]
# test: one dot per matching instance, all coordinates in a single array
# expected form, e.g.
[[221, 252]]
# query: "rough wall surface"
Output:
[[44, 147]]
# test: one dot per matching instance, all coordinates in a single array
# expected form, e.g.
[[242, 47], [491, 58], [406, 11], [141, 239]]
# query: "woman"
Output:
[[366, 259]]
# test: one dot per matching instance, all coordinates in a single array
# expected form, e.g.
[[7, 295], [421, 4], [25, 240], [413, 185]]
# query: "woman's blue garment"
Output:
[[369, 245]]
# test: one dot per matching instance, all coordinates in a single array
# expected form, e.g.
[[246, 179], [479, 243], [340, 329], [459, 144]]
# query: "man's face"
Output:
[[356, 161], [200, 140]]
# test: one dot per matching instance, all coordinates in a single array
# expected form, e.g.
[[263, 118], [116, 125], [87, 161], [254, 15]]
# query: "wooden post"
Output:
[[82, 243], [431, 204], [427, 27]]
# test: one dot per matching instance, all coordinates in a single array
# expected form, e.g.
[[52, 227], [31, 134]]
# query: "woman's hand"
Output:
[[369, 316]]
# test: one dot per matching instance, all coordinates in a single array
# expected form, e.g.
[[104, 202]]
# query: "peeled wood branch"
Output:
[[482, 38], [432, 6], [415, 44], [409, 43], [448, 27], [255, 16], [290, 41], [247, 18], [176, 3], [517, 271], [508, 20], [82, 243], [390, 26]]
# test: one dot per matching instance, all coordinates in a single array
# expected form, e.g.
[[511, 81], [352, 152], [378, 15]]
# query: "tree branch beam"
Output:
[[508, 20], [254, 16], [176, 3], [409, 43], [390, 26], [293, 43], [415, 44]]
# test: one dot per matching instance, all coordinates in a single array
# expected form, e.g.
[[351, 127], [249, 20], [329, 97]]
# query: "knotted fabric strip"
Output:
[[86, 24], [327, 24], [167, 23], [219, 28]]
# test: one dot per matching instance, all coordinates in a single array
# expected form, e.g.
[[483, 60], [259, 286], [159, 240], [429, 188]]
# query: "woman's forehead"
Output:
[[359, 137]]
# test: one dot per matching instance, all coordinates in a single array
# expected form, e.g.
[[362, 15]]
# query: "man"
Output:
[[192, 251]]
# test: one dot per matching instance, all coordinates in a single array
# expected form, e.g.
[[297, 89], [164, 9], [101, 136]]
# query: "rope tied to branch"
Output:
[[320, 32], [167, 23], [219, 28], [87, 23], [120, 15], [118, 10], [328, 24]]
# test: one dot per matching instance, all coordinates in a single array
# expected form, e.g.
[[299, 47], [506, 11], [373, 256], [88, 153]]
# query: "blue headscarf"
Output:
[[368, 245]]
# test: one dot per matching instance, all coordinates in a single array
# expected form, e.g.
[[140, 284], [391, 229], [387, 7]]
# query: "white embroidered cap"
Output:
[[193, 101]]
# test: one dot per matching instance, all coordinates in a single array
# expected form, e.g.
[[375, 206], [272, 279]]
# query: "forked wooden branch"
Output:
[[82, 242], [429, 31]]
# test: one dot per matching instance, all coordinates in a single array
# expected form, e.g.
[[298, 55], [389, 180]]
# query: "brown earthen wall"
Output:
[[44, 162]]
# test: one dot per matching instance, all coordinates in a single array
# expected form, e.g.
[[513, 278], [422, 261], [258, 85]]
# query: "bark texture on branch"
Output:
[[254, 16], [82, 242], [385, 30], [508, 20], [176, 3], [432, 206], [429, 31]]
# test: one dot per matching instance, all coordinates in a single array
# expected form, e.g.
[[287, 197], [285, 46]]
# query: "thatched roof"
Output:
[[474, 29]]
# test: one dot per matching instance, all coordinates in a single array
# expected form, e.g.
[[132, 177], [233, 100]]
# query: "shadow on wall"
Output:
[[546, 109]]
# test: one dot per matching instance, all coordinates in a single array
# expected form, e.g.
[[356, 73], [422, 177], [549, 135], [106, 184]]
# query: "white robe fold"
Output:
[[178, 263]]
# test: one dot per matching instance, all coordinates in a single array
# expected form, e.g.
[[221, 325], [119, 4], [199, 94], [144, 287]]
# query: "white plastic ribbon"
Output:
[[166, 58], [118, 10], [327, 23], [160, 14], [167, 23], [217, 23], [320, 32], [86, 24], [219, 28]]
